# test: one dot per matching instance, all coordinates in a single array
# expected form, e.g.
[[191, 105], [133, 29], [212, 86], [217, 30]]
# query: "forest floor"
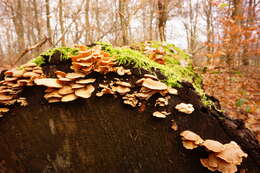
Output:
[[238, 91]]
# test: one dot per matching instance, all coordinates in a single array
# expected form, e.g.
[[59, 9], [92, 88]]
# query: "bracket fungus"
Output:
[[185, 108], [222, 157]]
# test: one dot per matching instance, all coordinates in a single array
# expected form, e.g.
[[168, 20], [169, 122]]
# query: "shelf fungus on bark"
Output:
[[222, 157], [130, 99], [161, 114], [185, 108], [190, 140]]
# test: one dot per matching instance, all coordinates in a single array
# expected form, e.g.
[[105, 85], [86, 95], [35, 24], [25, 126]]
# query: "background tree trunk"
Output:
[[123, 20], [162, 17]]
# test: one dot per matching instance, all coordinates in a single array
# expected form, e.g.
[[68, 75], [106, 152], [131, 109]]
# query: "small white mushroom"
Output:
[[185, 108]]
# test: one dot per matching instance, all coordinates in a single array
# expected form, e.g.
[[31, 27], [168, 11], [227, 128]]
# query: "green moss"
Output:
[[66, 52], [177, 65], [173, 70]]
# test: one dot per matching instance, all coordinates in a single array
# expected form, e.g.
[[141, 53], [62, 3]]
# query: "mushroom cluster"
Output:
[[185, 108], [94, 59], [14, 82], [156, 54], [66, 87], [222, 157]]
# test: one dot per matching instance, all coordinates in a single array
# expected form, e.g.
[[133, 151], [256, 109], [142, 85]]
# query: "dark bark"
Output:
[[104, 135]]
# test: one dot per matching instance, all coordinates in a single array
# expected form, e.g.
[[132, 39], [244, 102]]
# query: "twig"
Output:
[[24, 52]]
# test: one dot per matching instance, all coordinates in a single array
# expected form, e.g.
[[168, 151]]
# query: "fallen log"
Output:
[[101, 134]]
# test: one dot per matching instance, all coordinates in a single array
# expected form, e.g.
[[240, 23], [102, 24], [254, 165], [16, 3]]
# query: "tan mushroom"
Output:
[[54, 100], [30, 75], [232, 153], [75, 75], [189, 144], [4, 110], [161, 102], [53, 94], [69, 97], [150, 76], [185, 108], [22, 101], [130, 99], [49, 82], [211, 162], [65, 90], [124, 84], [212, 145], [154, 85], [172, 91], [159, 114], [76, 86], [4, 97], [60, 74], [191, 136], [121, 90], [86, 81], [85, 92]]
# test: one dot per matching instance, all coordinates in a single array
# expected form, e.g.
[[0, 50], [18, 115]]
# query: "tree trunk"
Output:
[[123, 20], [62, 30], [36, 16], [88, 38], [162, 17], [18, 24], [47, 6]]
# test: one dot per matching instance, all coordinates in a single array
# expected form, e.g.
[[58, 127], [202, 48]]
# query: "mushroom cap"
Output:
[[54, 100], [159, 114], [185, 108], [4, 110], [76, 86], [120, 89], [120, 71], [63, 79], [140, 81], [211, 162], [85, 92], [38, 71], [4, 97], [154, 85], [213, 145], [65, 90], [69, 97], [125, 84], [189, 144], [74, 75], [191, 136], [150, 76], [52, 94], [232, 153], [225, 167], [172, 91], [60, 73], [30, 74], [49, 82], [86, 81]]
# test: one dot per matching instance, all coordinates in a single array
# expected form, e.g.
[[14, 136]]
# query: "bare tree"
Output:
[[123, 20], [162, 17]]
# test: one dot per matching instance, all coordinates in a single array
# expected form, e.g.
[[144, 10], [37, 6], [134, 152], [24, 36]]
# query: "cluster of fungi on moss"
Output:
[[67, 87], [222, 157]]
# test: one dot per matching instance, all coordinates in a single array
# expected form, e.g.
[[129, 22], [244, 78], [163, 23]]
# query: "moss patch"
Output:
[[134, 56], [173, 70], [66, 52]]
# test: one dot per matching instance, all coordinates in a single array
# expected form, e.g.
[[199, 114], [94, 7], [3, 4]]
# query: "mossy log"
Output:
[[101, 134]]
